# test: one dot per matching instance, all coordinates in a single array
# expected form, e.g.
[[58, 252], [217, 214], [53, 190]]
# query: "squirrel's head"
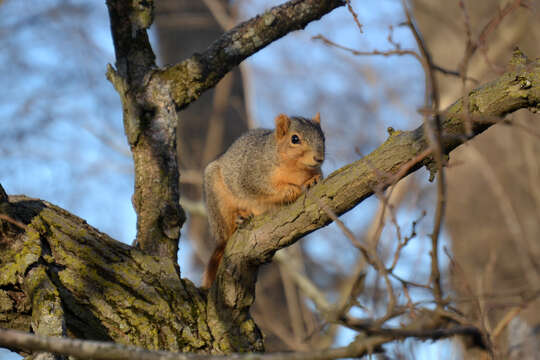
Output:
[[300, 140]]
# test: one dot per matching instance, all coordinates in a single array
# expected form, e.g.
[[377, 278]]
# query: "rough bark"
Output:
[[150, 126], [60, 276]]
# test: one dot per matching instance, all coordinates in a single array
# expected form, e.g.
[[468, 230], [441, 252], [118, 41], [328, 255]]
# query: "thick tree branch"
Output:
[[150, 126], [110, 351], [256, 243], [188, 79], [59, 274]]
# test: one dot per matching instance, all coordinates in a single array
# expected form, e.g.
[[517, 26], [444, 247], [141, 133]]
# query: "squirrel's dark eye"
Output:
[[295, 139]]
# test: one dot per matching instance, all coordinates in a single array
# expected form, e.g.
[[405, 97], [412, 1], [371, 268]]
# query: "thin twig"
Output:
[[354, 15], [85, 349], [364, 249], [434, 135], [404, 242], [363, 53], [370, 255], [512, 313], [491, 26]]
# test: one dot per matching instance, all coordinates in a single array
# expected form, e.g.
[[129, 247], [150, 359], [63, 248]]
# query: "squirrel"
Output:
[[260, 171]]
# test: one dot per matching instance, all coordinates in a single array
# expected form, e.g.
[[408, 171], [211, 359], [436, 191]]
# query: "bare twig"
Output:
[[362, 247], [512, 313], [370, 255], [491, 26], [396, 51], [374, 52], [459, 273], [433, 130], [481, 41], [405, 242], [354, 15], [351, 289]]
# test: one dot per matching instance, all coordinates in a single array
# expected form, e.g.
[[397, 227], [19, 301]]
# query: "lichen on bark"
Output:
[[102, 289]]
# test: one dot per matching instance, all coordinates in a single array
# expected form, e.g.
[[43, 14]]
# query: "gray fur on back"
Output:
[[250, 156]]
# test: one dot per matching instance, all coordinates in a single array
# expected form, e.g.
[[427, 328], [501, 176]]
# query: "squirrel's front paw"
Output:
[[313, 181]]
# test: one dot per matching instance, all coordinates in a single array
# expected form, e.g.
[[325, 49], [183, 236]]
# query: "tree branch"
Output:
[[150, 128], [190, 78], [59, 270], [255, 244], [85, 349]]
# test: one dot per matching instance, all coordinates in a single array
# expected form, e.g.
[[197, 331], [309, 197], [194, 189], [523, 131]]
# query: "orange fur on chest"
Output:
[[289, 181]]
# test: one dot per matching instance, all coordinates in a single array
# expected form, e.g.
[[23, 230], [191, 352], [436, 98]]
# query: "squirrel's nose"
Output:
[[318, 159]]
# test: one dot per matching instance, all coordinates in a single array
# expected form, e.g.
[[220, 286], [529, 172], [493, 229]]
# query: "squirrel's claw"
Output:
[[242, 218], [311, 182]]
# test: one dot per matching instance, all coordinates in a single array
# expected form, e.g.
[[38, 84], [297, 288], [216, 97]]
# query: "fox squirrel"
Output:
[[262, 169]]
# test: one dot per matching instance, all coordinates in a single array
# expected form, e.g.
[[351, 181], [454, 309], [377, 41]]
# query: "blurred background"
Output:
[[61, 140]]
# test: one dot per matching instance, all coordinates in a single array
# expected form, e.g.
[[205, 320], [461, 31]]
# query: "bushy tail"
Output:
[[211, 269]]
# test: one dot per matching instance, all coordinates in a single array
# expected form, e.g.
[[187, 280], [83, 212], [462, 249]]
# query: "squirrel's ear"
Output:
[[282, 125], [317, 118]]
